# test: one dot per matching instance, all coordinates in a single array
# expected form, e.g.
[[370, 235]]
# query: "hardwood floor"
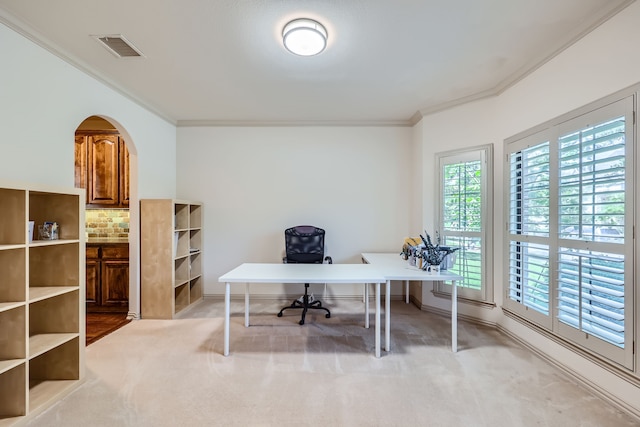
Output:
[[102, 324]]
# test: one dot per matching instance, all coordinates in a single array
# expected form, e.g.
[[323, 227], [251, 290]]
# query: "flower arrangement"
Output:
[[434, 254]]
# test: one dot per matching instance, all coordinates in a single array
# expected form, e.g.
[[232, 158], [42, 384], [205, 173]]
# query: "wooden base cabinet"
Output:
[[170, 256], [92, 269], [42, 337], [107, 272]]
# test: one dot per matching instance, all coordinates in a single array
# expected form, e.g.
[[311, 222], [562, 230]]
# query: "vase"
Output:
[[434, 269]]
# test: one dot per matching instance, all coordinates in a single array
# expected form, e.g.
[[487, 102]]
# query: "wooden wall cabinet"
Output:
[[107, 269], [42, 338], [170, 256], [102, 167], [123, 183]]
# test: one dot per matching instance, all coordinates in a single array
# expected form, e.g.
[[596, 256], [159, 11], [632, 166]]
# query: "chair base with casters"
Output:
[[306, 305]]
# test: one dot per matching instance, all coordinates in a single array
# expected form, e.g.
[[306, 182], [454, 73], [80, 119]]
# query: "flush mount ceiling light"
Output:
[[304, 37]]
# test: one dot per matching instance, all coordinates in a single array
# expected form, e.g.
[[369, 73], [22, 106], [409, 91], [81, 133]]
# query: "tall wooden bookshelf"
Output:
[[42, 339], [170, 256]]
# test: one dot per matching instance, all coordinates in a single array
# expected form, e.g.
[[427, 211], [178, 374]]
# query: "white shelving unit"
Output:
[[170, 256], [41, 300]]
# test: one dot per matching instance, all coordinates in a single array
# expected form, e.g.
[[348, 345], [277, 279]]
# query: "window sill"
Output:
[[483, 304]]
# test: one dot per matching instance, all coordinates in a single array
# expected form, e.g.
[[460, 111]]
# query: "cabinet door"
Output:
[[115, 284], [103, 170], [81, 150], [93, 283], [124, 173]]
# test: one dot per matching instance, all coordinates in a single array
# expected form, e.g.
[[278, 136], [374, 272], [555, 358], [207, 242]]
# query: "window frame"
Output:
[[483, 153]]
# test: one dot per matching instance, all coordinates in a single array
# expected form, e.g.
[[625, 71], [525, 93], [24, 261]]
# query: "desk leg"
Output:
[[387, 316], [246, 306], [406, 291], [366, 305], [378, 320], [454, 317], [227, 308]]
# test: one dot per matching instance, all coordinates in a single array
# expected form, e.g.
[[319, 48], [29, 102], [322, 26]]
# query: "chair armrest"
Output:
[[328, 259]]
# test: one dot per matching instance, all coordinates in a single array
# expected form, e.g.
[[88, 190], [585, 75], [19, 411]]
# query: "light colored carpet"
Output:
[[172, 373]]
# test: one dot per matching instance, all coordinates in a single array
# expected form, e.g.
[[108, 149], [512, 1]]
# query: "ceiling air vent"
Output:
[[118, 45]]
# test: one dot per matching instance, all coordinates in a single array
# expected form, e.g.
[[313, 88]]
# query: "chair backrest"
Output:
[[304, 244]]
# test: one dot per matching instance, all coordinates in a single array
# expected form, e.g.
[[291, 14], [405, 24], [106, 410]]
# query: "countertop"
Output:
[[107, 240]]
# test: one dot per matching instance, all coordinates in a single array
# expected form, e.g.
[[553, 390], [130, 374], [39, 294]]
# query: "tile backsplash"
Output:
[[107, 222]]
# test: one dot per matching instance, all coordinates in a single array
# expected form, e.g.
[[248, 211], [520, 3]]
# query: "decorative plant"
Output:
[[434, 254]]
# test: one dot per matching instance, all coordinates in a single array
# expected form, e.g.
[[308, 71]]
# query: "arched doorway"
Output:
[[105, 165]]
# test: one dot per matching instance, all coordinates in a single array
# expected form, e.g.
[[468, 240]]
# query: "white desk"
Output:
[[393, 267], [300, 273]]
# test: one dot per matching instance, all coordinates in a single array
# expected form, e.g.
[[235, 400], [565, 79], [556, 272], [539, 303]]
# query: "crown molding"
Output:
[[294, 123], [37, 38], [524, 71]]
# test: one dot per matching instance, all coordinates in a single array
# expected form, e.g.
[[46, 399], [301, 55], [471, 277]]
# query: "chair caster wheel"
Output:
[[327, 316], [279, 314], [301, 322]]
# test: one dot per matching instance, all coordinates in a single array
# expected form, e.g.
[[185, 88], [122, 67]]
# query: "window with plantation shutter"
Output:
[[463, 218], [569, 229], [529, 275], [591, 293], [528, 221], [529, 195], [592, 183], [591, 217]]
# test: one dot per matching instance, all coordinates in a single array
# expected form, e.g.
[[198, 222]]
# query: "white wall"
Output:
[[416, 220], [602, 63], [256, 181], [43, 99]]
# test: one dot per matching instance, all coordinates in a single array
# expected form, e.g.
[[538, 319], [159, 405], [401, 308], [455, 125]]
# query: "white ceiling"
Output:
[[222, 61]]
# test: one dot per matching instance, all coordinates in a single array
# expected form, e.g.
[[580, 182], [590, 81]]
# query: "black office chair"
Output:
[[305, 244]]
